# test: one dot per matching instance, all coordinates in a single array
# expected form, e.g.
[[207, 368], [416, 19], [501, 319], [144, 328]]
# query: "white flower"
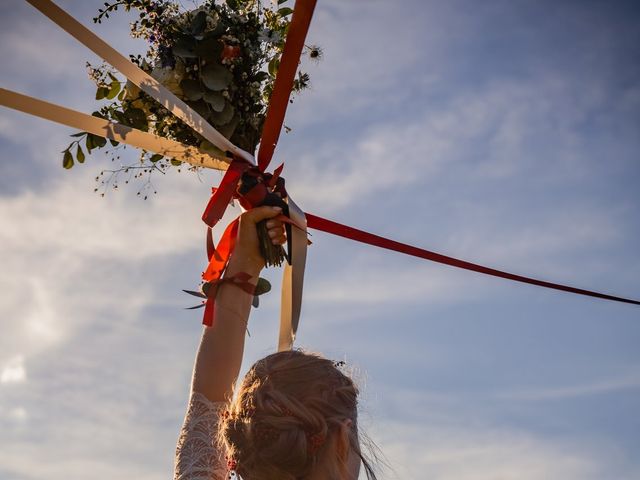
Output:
[[212, 20], [269, 36], [170, 77]]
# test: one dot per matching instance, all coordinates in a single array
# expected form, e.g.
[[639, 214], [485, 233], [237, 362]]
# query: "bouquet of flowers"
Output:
[[220, 58]]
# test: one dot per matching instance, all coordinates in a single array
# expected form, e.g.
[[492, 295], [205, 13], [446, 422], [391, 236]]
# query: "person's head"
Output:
[[294, 415]]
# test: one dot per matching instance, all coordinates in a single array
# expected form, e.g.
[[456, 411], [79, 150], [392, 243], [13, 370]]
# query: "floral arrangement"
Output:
[[220, 58]]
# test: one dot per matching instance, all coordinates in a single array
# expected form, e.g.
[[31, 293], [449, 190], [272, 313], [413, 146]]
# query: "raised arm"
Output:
[[219, 357], [221, 348]]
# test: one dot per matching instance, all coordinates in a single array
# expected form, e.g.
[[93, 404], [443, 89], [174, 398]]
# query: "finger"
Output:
[[277, 228], [279, 240], [274, 223], [260, 213], [275, 232]]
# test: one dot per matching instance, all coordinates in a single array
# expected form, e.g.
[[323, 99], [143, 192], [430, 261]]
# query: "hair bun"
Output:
[[284, 412]]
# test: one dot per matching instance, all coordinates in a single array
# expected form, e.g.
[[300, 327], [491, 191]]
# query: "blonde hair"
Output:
[[284, 413]]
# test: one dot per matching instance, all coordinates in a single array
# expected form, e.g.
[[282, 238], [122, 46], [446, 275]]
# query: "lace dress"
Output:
[[197, 457]]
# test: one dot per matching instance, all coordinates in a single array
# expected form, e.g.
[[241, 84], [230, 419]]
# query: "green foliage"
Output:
[[221, 59], [263, 286], [67, 159], [216, 77], [79, 155]]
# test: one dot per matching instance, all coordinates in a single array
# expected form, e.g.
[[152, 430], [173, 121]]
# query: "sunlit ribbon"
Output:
[[361, 236], [295, 42], [292, 283], [112, 130], [139, 77], [293, 273]]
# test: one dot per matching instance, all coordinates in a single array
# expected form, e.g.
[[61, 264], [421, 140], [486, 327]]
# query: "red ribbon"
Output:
[[225, 192], [221, 196], [302, 13], [218, 260], [240, 280], [361, 236]]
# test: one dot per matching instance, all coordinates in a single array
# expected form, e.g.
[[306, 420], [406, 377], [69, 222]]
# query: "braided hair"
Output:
[[285, 412]]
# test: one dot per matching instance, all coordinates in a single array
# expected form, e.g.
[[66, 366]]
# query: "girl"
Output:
[[295, 414]]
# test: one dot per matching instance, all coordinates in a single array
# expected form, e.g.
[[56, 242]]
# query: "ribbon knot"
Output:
[[252, 188]]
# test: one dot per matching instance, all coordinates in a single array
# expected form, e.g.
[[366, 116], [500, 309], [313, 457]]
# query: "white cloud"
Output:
[[70, 255], [363, 62], [472, 452], [13, 371], [508, 118], [629, 381], [369, 281], [438, 436]]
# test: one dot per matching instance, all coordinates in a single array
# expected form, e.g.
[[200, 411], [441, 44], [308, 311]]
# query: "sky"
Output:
[[502, 132]]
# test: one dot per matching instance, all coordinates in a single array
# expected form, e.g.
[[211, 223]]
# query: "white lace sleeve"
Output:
[[197, 456]]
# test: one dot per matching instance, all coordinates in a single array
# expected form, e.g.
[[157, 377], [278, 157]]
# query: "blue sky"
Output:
[[505, 133]]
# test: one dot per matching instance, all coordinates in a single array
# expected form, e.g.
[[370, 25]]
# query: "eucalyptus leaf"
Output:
[[156, 157], [113, 90], [283, 12], [209, 49], [89, 142], [135, 117], [216, 77], [175, 162], [191, 88], [101, 92], [215, 99], [229, 128], [99, 141], [79, 134], [201, 107], [260, 76], [225, 116], [263, 286], [198, 23], [79, 155], [274, 64], [67, 160], [185, 48]]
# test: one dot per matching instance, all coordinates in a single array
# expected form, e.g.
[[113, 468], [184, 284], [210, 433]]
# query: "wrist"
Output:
[[242, 263]]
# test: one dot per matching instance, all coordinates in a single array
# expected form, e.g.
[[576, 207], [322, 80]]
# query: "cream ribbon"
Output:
[[293, 279], [114, 131], [137, 76], [293, 274]]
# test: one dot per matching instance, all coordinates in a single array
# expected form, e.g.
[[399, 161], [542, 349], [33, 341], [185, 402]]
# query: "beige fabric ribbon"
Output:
[[293, 274], [136, 75], [293, 279], [113, 130]]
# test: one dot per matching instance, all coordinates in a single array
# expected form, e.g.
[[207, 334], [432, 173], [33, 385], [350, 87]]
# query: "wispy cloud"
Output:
[[474, 452], [630, 381]]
